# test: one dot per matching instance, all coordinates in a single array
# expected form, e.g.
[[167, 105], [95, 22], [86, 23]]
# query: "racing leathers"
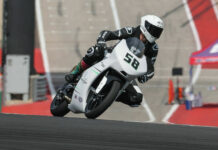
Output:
[[131, 96]]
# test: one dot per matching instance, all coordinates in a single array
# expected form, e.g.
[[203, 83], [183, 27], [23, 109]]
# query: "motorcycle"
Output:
[[101, 84]]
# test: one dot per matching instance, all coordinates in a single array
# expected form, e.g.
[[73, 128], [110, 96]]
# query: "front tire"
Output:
[[93, 112]]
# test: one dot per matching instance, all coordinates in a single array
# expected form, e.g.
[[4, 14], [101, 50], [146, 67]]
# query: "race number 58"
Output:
[[131, 60]]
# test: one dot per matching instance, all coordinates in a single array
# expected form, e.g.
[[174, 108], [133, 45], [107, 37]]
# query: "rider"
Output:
[[148, 32]]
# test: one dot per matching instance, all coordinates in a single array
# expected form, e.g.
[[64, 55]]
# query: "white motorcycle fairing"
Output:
[[121, 59]]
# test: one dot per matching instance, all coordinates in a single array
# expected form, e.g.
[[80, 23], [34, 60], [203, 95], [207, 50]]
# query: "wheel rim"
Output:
[[95, 100]]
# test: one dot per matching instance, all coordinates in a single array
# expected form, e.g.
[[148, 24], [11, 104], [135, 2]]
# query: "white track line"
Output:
[[148, 110], [115, 14], [169, 114], [117, 25], [197, 41], [43, 46], [214, 8], [193, 27], [146, 107], [198, 70]]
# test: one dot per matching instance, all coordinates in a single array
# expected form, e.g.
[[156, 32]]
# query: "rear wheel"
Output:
[[97, 104], [59, 107]]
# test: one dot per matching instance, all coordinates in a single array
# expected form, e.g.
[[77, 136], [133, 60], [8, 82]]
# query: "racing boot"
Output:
[[76, 71]]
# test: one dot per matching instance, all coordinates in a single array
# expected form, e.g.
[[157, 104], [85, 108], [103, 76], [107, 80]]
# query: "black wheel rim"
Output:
[[94, 101]]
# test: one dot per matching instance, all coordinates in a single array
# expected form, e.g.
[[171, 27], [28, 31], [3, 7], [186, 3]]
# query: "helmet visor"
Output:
[[153, 30]]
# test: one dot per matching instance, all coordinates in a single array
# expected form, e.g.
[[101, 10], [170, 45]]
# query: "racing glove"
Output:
[[144, 78], [102, 44]]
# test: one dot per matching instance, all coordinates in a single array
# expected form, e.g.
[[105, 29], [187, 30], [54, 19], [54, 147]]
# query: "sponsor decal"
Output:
[[135, 50], [211, 59], [160, 23], [155, 47], [128, 30], [206, 60], [95, 71], [102, 64], [85, 78], [80, 99], [84, 81]]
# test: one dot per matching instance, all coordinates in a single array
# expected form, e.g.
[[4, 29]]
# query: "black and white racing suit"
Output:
[[132, 96]]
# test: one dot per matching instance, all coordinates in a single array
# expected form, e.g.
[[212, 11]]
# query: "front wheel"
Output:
[[97, 104]]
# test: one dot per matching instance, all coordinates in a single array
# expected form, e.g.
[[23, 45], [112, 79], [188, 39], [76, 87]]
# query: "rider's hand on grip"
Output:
[[143, 78], [99, 50], [102, 44]]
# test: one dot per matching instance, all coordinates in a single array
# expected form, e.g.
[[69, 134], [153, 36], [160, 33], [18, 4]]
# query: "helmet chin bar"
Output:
[[155, 31], [147, 35]]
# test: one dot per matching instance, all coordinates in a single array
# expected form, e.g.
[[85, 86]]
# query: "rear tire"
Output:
[[106, 102], [59, 109]]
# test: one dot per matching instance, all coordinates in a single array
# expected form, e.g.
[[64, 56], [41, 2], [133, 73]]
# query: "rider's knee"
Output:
[[130, 99]]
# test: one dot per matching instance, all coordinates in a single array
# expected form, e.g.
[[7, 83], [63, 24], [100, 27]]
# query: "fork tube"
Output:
[[122, 89]]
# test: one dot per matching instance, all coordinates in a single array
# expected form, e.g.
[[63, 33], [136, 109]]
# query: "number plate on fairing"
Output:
[[128, 62]]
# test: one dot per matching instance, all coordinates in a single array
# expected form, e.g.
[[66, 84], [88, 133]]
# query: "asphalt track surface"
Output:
[[37, 132]]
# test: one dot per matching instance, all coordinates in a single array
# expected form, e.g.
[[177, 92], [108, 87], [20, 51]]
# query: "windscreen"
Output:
[[136, 46]]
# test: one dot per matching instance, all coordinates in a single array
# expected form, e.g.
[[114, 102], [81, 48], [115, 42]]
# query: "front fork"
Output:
[[105, 80], [126, 84]]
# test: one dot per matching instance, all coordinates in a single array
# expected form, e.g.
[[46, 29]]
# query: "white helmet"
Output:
[[152, 27]]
